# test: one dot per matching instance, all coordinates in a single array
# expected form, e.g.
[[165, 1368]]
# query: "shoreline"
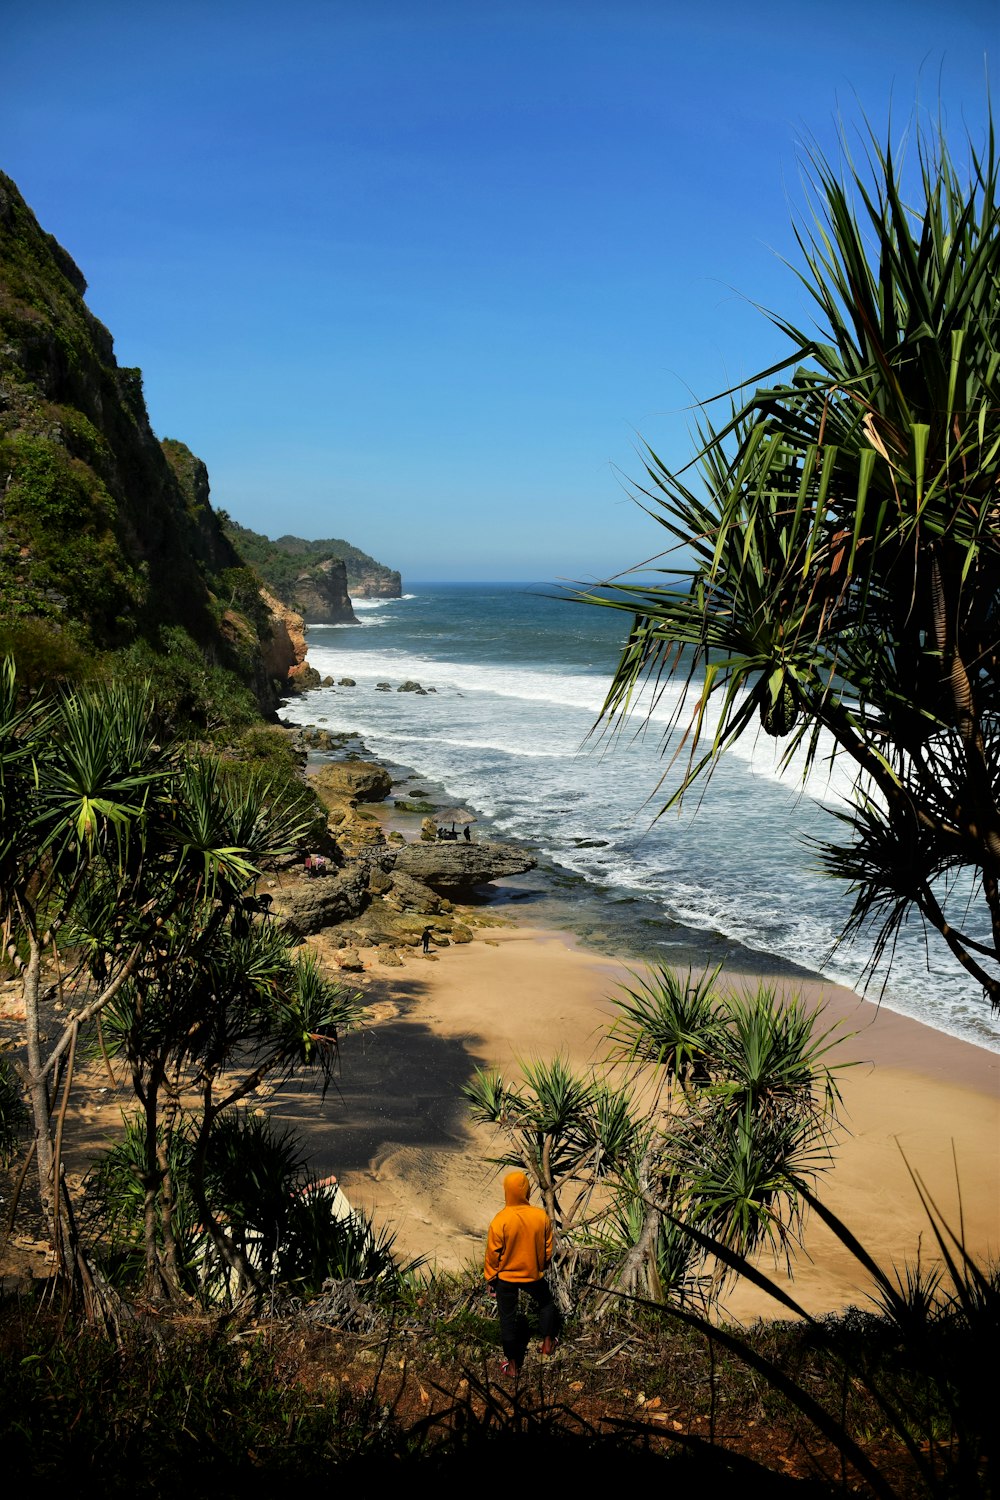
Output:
[[396, 1133], [627, 925]]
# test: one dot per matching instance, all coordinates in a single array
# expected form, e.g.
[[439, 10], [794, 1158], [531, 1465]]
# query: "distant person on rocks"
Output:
[[468, 835], [518, 1251], [425, 939]]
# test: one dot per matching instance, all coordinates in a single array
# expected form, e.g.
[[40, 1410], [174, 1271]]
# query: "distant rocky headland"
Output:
[[318, 579], [112, 558]]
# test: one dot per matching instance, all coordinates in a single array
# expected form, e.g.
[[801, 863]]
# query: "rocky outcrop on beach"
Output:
[[375, 890], [403, 893], [460, 866], [341, 782], [310, 905]]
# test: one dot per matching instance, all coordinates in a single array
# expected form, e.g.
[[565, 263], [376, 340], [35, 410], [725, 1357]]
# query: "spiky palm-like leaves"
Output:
[[919, 1358], [837, 565], [561, 1127], [570, 1133], [755, 1125], [620, 1172], [770, 1058], [81, 777], [220, 1005], [670, 1020], [280, 1223], [139, 862]]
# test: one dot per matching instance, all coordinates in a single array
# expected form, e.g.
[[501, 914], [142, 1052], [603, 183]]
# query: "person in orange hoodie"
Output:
[[518, 1251]]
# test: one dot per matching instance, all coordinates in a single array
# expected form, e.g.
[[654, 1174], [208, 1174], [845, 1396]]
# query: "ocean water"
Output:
[[519, 677]]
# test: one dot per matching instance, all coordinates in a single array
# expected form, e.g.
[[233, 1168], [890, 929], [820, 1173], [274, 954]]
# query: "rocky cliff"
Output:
[[384, 584], [366, 578], [320, 594], [285, 648], [108, 540], [290, 567]]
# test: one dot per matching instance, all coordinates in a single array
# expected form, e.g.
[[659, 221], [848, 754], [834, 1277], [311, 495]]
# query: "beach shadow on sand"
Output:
[[397, 1085]]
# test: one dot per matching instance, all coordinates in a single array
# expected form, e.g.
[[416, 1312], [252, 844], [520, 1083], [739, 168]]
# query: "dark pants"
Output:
[[514, 1330]]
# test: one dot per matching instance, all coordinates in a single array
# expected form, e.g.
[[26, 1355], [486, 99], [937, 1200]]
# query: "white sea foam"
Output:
[[364, 604], [506, 732]]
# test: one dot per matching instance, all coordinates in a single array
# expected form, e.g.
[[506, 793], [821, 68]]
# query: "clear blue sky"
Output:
[[421, 273]]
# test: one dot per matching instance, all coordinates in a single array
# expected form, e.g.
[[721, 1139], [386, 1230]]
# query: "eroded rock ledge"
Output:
[[378, 891], [448, 867]]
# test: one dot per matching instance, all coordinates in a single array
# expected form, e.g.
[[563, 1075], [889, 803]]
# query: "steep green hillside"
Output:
[[280, 563], [108, 541]]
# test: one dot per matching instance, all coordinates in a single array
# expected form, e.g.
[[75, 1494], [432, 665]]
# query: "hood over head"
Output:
[[516, 1189]]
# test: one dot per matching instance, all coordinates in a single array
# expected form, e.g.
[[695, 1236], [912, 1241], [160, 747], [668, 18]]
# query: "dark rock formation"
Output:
[[320, 594], [305, 678], [407, 894], [451, 867], [310, 905]]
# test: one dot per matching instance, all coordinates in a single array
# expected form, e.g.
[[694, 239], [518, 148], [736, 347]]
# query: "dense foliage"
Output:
[[834, 567], [726, 1111], [108, 537], [128, 871]]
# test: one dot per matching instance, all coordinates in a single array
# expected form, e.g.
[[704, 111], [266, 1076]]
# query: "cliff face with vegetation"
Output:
[[111, 555], [309, 575], [108, 540]]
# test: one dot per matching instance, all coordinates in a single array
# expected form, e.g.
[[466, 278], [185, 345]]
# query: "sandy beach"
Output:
[[397, 1134]]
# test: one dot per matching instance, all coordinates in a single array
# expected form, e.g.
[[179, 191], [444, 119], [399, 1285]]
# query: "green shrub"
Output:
[[195, 696]]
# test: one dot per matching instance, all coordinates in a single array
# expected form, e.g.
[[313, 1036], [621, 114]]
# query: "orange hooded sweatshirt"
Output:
[[519, 1240]]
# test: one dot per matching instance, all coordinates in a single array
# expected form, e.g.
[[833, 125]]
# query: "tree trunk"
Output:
[[38, 1091]]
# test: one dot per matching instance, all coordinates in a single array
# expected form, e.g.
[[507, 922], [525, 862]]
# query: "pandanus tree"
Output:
[[128, 870], [833, 569], [572, 1134], [218, 1002], [722, 1112], [81, 776]]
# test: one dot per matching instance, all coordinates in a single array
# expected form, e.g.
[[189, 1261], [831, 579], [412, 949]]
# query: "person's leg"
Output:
[[507, 1313], [548, 1313]]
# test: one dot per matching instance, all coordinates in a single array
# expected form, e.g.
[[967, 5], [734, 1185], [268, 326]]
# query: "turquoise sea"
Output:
[[519, 677]]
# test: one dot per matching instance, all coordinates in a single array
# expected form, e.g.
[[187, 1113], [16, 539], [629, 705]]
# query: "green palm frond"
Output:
[[771, 1056], [744, 1171], [670, 1020], [832, 563]]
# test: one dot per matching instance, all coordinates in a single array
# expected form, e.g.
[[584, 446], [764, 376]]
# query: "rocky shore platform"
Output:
[[384, 877]]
